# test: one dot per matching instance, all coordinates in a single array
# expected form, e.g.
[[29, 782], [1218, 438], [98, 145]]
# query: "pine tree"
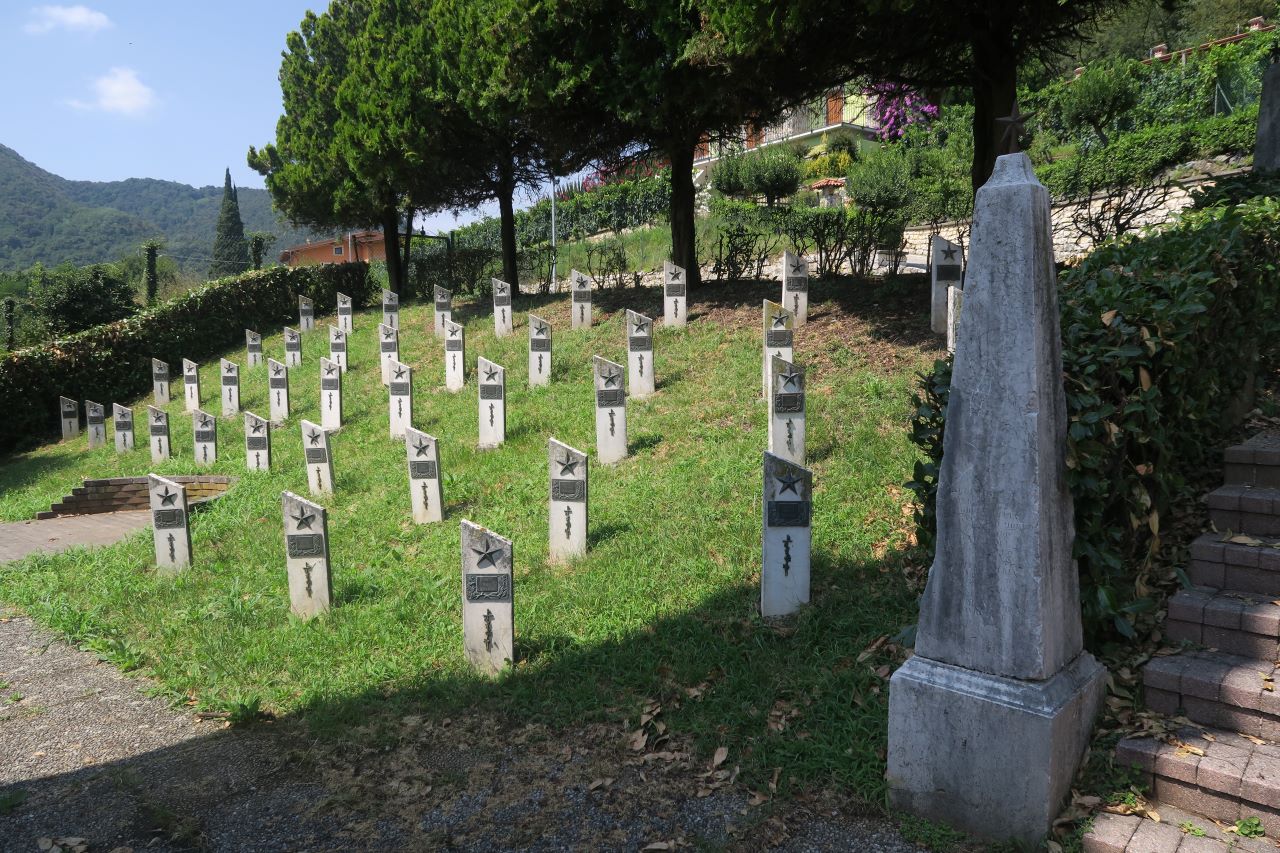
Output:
[[230, 249]]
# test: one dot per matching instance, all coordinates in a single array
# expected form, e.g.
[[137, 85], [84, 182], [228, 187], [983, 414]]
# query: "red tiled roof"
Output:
[[827, 184]]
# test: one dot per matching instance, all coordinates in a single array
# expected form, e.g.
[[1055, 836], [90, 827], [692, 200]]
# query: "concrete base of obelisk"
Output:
[[989, 755]]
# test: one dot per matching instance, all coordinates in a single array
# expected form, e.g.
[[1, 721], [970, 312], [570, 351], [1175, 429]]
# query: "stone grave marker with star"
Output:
[[580, 288], [539, 351], [425, 496], [292, 347], [338, 347], [493, 403], [204, 434], [784, 569], [390, 309], [388, 350], [443, 309], [170, 524], [230, 388], [190, 385], [330, 395], [257, 442], [567, 469], [277, 391], [400, 398], [95, 419], [455, 356], [611, 410], [69, 414], [306, 548], [158, 429], [503, 322], [488, 619], [345, 313], [778, 331], [674, 296], [252, 348], [795, 286], [640, 380], [786, 411], [318, 458], [123, 418], [946, 271], [306, 314], [160, 382]]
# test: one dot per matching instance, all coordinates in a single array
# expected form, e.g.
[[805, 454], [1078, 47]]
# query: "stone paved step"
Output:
[[1113, 833], [1240, 566], [1216, 689], [1219, 774], [1239, 623], [1256, 462], [1245, 509]]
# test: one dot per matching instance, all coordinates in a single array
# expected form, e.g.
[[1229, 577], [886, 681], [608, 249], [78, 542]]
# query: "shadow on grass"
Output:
[[23, 469]]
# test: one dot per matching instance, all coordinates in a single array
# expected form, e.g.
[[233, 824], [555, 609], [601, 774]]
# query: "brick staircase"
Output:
[[1227, 767], [127, 493]]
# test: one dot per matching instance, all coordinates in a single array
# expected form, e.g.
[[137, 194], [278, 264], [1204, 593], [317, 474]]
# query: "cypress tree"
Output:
[[230, 249], [150, 249]]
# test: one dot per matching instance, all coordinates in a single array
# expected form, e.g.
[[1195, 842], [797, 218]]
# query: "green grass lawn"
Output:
[[662, 610]]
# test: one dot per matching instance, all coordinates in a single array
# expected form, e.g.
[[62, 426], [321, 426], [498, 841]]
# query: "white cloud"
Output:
[[119, 91], [48, 18]]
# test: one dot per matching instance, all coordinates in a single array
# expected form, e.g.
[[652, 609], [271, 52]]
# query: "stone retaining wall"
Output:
[[127, 493]]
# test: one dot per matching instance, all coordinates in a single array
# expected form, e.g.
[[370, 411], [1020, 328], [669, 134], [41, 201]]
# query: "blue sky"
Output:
[[176, 90]]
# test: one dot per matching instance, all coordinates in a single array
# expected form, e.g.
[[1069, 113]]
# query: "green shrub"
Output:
[[1161, 334], [773, 172], [1098, 97], [833, 164], [112, 362], [726, 175], [69, 299]]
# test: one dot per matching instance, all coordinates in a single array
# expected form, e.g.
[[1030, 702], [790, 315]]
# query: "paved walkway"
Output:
[[20, 538]]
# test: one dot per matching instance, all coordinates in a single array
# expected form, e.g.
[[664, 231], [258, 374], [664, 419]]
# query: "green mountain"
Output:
[[48, 219]]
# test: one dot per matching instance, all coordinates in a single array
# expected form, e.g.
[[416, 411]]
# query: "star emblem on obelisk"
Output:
[[388, 334], [159, 417], [191, 370], [1013, 126], [304, 518], [257, 426], [675, 274], [797, 267], [400, 371], [205, 421], [337, 335], [293, 336], [330, 369], [231, 369], [167, 498], [487, 554], [789, 483], [949, 253], [789, 377], [779, 321], [422, 447], [502, 288], [277, 369], [453, 331], [611, 378], [568, 465], [314, 435], [640, 325], [582, 281], [540, 330], [490, 373]]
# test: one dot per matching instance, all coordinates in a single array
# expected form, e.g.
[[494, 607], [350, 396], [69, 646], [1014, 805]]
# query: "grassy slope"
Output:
[[664, 601]]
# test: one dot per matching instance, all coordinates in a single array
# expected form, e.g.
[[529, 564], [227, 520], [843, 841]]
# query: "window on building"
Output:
[[337, 250]]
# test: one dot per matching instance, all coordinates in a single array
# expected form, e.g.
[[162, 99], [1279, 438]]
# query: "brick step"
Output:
[[1114, 833], [1256, 462], [1216, 773], [1216, 689], [1220, 563], [1239, 623], [1246, 509]]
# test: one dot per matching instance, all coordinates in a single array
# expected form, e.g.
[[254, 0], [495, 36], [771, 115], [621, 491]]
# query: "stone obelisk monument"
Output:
[[989, 720]]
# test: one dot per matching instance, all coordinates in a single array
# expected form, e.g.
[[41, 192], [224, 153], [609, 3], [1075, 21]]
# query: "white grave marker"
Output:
[[278, 391], [786, 411], [567, 468], [640, 380], [252, 348], [319, 460], [230, 388], [539, 351], [425, 495], [795, 286], [306, 314], [345, 313], [784, 570], [338, 347], [330, 395], [611, 410], [69, 412], [778, 325], [455, 356], [190, 385], [946, 271], [581, 300], [488, 621], [123, 417], [160, 382], [444, 309], [675, 301], [95, 418], [170, 524], [257, 442], [493, 403], [390, 309], [158, 428], [292, 347], [389, 349], [400, 398], [204, 431], [306, 546], [502, 319]]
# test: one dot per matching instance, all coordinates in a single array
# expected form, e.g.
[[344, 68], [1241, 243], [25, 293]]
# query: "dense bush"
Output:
[[1161, 336], [771, 173], [69, 299], [112, 362]]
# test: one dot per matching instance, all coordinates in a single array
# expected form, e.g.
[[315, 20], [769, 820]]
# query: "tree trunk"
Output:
[[391, 244], [995, 87], [506, 208], [684, 250], [408, 239]]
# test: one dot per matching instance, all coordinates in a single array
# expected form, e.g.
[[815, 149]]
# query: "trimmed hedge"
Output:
[[1163, 337], [112, 363]]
